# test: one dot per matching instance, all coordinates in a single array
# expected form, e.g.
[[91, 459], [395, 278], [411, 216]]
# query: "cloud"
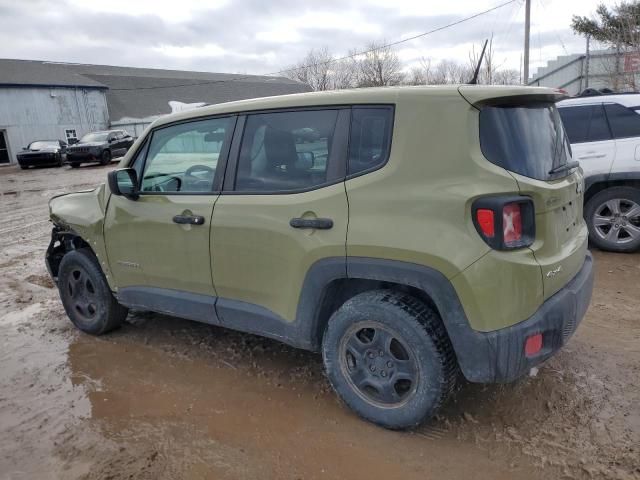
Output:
[[258, 36]]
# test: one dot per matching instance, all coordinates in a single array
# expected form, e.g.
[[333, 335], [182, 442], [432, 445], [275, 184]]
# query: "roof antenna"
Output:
[[474, 80]]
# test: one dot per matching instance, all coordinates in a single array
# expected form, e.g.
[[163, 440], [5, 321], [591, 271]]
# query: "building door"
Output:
[[4, 149]]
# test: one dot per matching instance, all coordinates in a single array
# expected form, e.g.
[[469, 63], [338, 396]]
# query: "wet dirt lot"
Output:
[[168, 398]]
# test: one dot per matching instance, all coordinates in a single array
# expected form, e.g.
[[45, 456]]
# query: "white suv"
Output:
[[604, 131]]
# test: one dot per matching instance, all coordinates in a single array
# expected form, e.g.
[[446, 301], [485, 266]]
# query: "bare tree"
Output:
[[313, 69], [379, 67], [321, 71]]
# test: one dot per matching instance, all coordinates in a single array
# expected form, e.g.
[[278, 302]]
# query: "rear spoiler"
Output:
[[480, 95]]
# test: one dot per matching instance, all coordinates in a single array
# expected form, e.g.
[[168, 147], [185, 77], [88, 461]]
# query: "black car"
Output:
[[99, 147], [42, 152]]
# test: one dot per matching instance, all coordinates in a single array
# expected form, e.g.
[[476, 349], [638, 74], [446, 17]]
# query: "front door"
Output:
[[284, 208], [158, 245], [4, 149]]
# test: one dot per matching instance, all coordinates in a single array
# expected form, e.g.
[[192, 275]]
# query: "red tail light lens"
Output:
[[486, 221], [512, 224]]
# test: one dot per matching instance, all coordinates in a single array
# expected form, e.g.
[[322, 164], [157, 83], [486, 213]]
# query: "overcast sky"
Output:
[[263, 36]]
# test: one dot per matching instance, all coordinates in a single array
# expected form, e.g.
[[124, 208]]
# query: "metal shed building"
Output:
[[49, 100]]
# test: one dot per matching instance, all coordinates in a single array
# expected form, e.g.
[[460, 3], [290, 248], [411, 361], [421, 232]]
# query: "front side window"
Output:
[[526, 139], [624, 122], [370, 138], [285, 151], [183, 158]]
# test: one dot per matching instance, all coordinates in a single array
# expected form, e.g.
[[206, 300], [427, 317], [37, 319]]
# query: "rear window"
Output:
[[525, 139]]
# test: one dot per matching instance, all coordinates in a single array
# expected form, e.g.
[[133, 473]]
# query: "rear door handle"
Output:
[[319, 223], [189, 219]]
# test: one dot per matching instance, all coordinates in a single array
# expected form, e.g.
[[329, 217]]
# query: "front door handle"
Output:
[[319, 223], [189, 219]]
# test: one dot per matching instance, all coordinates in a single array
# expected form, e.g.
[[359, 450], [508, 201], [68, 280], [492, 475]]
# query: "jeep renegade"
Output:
[[409, 234]]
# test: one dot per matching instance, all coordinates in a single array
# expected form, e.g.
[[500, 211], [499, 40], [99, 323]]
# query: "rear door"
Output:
[[591, 140], [625, 126], [158, 245], [283, 208]]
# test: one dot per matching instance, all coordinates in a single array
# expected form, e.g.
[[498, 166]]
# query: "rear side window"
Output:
[[370, 139], [285, 151], [624, 122], [525, 139], [585, 123]]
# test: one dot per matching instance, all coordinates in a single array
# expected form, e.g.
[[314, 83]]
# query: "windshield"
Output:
[[39, 145], [525, 139], [95, 137]]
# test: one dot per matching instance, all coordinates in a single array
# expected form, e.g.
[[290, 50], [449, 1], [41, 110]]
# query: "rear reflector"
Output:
[[533, 345], [511, 224], [486, 221]]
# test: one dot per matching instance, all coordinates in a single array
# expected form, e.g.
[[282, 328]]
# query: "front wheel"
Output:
[[388, 357], [613, 219], [85, 294], [105, 159]]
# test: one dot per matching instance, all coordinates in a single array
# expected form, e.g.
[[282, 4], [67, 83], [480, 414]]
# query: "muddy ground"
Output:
[[168, 398]]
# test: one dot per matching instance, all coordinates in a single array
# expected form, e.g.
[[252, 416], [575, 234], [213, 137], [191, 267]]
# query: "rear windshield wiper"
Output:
[[564, 167]]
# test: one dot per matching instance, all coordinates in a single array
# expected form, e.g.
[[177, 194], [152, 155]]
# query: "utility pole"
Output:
[[586, 65], [527, 26]]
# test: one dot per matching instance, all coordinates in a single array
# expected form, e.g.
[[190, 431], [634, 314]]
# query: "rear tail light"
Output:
[[486, 221], [505, 223], [511, 224]]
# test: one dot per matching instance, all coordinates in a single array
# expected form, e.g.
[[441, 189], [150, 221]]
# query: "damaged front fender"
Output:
[[78, 220]]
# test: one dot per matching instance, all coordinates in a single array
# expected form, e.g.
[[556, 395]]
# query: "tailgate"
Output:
[[561, 233]]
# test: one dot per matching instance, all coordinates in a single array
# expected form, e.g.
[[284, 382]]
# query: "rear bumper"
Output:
[[498, 356]]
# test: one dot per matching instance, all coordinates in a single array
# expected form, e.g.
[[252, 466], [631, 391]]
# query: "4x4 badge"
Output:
[[554, 272]]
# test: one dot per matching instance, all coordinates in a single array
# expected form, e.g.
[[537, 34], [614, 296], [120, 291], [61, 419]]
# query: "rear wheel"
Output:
[[105, 159], [613, 218], [388, 357], [85, 294]]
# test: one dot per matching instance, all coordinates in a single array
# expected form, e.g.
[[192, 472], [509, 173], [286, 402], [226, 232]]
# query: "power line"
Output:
[[333, 60]]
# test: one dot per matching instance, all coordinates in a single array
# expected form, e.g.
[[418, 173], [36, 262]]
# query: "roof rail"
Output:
[[592, 92]]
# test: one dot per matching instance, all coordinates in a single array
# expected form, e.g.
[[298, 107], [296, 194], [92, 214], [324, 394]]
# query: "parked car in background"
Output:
[[41, 153], [604, 131], [99, 147]]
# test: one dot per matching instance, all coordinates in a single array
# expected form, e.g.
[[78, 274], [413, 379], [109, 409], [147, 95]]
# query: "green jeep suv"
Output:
[[409, 234]]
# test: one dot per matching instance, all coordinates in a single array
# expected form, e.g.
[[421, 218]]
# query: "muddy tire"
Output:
[[85, 294], [613, 219], [388, 357], [105, 158]]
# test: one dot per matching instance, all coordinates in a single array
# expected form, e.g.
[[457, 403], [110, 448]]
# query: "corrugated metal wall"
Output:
[[28, 114]]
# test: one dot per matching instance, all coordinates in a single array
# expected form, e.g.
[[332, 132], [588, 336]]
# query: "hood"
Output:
[[40, 150], [78, 208]]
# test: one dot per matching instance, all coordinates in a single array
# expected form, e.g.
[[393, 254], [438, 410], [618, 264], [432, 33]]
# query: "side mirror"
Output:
[[73, 141], [24, 149], [111, 140], [124, 182]]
